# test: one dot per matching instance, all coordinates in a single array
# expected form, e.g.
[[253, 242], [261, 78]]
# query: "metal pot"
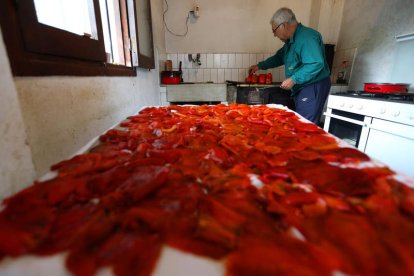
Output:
[[386, 87], [171, 77]]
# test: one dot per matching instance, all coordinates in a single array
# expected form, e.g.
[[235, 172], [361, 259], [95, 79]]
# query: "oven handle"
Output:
[[346, 119]]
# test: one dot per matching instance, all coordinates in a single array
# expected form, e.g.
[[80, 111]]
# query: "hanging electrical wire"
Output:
[[165, 23]]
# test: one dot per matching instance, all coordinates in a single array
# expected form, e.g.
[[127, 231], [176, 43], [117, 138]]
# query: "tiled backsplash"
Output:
[[220, 67]]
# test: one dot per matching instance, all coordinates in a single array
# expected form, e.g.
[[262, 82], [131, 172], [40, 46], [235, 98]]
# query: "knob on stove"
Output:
[[351, 105], [382, 110], [396, 113], [360, 107]]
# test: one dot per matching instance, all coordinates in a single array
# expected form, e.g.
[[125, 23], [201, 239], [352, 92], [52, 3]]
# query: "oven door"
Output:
[[350, 127]]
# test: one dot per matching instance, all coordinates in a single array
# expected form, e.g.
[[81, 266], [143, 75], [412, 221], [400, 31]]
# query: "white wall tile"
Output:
[[203, 60], [267, 55], [239, 61], [162, 56], [246, 61], [243, 74], [252, 59], [227, 74], [232, 61], [206, 75], [275, 75], [220, 75], [185, 75], [213, 75], [259, 57], [234, 74], [180, 57], [173, 58], [224, 60], [187, 63], [217, 61], [210, 60], [199, 75], [161, 64]]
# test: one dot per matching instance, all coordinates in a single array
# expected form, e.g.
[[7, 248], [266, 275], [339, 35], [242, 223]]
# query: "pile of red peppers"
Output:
[[256, 186]]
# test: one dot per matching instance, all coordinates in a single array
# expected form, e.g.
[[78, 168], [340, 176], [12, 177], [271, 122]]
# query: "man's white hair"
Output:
[[283, 15]]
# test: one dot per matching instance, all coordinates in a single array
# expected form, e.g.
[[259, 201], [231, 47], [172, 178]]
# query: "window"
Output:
[[72, 37], [145, 44]]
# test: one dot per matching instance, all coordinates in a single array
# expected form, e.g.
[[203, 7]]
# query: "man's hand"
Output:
[[253, 69], [287, 84]]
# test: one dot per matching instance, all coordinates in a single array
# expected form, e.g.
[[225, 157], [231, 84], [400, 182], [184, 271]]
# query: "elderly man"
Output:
[[306, 69]]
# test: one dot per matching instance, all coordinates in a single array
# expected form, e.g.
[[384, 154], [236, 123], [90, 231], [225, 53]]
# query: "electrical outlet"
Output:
[[196, 11]]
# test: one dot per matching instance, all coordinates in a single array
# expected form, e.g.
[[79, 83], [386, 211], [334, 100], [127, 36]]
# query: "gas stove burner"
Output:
[[405, 97]]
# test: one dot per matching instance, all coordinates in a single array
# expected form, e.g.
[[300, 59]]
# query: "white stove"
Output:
[[382, 125]]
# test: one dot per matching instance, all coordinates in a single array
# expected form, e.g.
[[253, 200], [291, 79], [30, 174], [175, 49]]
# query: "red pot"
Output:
[[171, 77], [386, 87]]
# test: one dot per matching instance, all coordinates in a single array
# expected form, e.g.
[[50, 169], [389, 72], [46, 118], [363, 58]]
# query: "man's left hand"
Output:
[[287, 84]]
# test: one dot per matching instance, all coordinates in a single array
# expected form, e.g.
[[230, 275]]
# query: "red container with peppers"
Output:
[[262, 79], [269, 78]]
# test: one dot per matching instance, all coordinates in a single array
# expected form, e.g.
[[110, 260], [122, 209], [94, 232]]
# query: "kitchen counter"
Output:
[[197, 92], [214, 92]]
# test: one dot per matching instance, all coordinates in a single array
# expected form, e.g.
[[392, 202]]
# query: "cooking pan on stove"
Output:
[[386, 87]]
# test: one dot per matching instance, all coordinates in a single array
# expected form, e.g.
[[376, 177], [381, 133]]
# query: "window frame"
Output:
[[145, 61], [36, 59]]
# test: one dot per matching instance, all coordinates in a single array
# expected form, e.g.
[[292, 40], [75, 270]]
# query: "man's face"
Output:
[[280, 31]]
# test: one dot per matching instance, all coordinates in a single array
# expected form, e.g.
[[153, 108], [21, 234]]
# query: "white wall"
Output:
[[62, 114], [228, 26], [370, 27], [231, 35], [56, 115], [329, 21], [157, 7], [16, 167]]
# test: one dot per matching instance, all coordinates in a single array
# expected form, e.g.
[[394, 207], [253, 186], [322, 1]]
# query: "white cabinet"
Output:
[[393, 144]]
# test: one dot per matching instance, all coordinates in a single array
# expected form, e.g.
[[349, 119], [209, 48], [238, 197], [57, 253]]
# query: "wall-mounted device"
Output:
[[195, 59], [196, 11]]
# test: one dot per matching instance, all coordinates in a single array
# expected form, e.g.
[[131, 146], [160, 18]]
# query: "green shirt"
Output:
[[303, 56]]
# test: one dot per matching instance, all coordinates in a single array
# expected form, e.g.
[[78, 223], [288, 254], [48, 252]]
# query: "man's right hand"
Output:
[[253, 69]]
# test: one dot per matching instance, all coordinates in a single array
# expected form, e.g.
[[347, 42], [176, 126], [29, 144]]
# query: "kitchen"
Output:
[[46, 119]]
